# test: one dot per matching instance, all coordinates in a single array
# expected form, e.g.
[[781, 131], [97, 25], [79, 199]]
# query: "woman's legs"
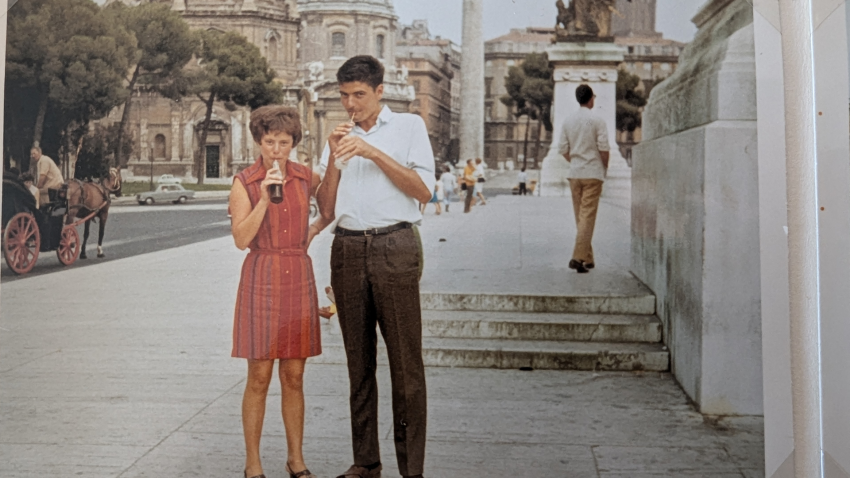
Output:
[[253, 411], [291, 373]]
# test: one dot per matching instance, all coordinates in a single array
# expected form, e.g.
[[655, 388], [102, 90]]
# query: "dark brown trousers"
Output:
[[376, 282]]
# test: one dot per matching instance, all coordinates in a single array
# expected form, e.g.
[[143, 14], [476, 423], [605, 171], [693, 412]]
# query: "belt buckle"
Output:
[[371, 232]]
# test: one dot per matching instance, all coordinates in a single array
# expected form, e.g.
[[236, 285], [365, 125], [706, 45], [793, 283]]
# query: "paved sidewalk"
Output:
[[123, 369]]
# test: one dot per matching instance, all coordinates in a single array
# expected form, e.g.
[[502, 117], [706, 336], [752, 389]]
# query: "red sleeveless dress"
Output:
[[277, 308]]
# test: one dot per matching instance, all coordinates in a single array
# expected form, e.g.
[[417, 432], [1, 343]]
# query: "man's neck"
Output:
[[370, 122]]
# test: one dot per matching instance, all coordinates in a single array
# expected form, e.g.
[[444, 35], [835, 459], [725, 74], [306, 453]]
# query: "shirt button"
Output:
[[284, 230], [284, 210]]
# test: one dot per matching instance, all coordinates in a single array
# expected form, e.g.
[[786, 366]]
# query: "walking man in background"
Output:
[[584, 144], [375, 259], [523, 180]]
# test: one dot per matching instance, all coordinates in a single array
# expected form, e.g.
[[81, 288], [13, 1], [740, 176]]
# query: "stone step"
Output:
[[636, 304], [515, 354], [540, 326]]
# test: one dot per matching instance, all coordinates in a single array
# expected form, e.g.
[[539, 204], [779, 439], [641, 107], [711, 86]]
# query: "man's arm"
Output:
[[404, 178], [602, 142], [564, 143], [42, 180], [326, 193], [605, 155]]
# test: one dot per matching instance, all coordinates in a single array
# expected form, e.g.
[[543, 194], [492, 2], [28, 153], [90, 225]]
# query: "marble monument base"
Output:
[[593, 64]]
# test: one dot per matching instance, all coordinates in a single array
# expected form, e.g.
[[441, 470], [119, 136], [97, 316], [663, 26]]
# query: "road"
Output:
[[132, 230]]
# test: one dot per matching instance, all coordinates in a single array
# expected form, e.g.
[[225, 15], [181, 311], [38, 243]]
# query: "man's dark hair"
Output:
[[363, 68], [523, 169], [584, 94]]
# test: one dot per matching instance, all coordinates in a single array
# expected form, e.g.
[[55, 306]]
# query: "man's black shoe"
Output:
[[579, 266], [589, 265]]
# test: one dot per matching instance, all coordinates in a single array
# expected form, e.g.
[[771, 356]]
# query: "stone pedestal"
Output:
[[593, 64]]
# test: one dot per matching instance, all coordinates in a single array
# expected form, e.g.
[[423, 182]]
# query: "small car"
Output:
[[175, 193], [169, 179]]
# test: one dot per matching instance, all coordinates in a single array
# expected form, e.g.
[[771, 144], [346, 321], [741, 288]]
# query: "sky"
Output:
[[445, 16]]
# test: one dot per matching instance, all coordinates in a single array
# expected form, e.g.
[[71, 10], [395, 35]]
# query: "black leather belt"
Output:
[[339, 231]]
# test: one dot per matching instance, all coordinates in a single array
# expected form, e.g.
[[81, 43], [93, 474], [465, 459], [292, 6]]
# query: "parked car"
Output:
[[166, 192], [169, 179]]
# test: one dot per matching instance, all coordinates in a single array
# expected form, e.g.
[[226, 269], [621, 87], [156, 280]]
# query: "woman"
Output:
[[479, 181], [276, 306]]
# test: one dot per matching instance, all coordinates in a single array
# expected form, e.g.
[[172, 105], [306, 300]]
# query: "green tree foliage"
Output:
[[98, 146], [630, 101], [65, 59], [234, 71], [165, 46], [531, 90]]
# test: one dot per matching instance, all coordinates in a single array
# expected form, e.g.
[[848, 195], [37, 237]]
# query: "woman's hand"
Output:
[[273, 176]]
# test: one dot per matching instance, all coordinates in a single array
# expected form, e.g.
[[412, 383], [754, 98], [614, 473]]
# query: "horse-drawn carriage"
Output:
[[28, 230]]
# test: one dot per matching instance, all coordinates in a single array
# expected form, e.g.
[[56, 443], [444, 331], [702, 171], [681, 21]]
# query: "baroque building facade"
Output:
[[434, 72], [166, 133]]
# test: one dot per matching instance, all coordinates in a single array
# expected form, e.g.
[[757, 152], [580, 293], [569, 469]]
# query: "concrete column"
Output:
[[801, 177], [176, 138], [472, 82]]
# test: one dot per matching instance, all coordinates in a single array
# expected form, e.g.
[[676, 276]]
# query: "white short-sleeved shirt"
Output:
[[366, 197], [449, 182], [583, 136]]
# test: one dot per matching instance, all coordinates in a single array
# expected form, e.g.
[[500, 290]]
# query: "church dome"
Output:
[[375, 7]]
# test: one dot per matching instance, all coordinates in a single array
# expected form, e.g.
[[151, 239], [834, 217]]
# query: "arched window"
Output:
[[338, 44], [379, 47], [159, 147], [273, 49]]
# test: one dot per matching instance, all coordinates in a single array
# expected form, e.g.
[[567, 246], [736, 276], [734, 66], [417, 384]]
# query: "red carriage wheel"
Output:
[[21, 242], [69, 245]]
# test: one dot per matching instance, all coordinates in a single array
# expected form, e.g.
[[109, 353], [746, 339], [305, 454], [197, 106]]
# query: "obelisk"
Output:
[[472, 82]]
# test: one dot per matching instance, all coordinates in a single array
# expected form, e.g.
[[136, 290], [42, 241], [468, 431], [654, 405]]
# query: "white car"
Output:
[[169, 179], [166, 192]]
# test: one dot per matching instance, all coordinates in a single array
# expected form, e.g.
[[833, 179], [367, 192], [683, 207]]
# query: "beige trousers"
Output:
[[586, 194]]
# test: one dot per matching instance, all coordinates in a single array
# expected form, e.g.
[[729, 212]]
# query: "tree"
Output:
[[68, 52], [165, 46], [630, 102], [234, 71], [531, 90], [96, 151]]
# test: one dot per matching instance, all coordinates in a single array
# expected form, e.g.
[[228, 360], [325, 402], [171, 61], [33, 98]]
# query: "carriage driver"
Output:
[[48, 174]]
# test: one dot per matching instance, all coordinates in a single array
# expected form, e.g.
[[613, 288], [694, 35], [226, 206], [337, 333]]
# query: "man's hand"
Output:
[[351, 146], [337, 134]]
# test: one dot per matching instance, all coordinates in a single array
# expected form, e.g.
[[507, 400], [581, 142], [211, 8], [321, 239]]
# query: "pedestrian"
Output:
[[276, 305], [523, 179], [584, 143], [480, 177], [449, 181], [48, 176], [436, 199], [468, 185], [375, 260]]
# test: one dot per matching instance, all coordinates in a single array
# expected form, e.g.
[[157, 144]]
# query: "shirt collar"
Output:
[[384, 117], [257, 172]]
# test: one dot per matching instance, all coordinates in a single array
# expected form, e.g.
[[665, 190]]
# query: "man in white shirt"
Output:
[[449, 181], [388, 171], [523, 180], [584, 143], [48, 176]]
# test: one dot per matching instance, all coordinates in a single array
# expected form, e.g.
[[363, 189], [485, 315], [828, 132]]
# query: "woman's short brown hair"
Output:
[[276, 119]]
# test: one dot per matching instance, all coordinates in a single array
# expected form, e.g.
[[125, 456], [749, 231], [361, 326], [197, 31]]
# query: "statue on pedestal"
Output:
[[585, 20]]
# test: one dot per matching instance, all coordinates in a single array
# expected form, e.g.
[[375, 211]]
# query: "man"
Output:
[[449, 181], [584, 143], [523, 179], [375, 259], [468, 185], [48, 174]]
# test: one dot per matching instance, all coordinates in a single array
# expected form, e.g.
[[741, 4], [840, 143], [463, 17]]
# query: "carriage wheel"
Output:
[[69, 245], [21, 242]]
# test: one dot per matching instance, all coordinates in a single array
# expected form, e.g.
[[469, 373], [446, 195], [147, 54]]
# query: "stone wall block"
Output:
[[695, 237]]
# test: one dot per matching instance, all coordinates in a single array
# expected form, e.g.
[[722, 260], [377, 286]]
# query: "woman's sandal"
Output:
[[245, 472], [301, 474]]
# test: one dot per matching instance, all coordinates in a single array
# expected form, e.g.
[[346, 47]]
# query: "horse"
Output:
[[92, 197]]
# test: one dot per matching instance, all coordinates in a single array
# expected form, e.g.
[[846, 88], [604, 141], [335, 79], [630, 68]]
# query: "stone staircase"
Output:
[[555, 332]]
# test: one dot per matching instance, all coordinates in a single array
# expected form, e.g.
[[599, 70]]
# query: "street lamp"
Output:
[[151, 168]]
